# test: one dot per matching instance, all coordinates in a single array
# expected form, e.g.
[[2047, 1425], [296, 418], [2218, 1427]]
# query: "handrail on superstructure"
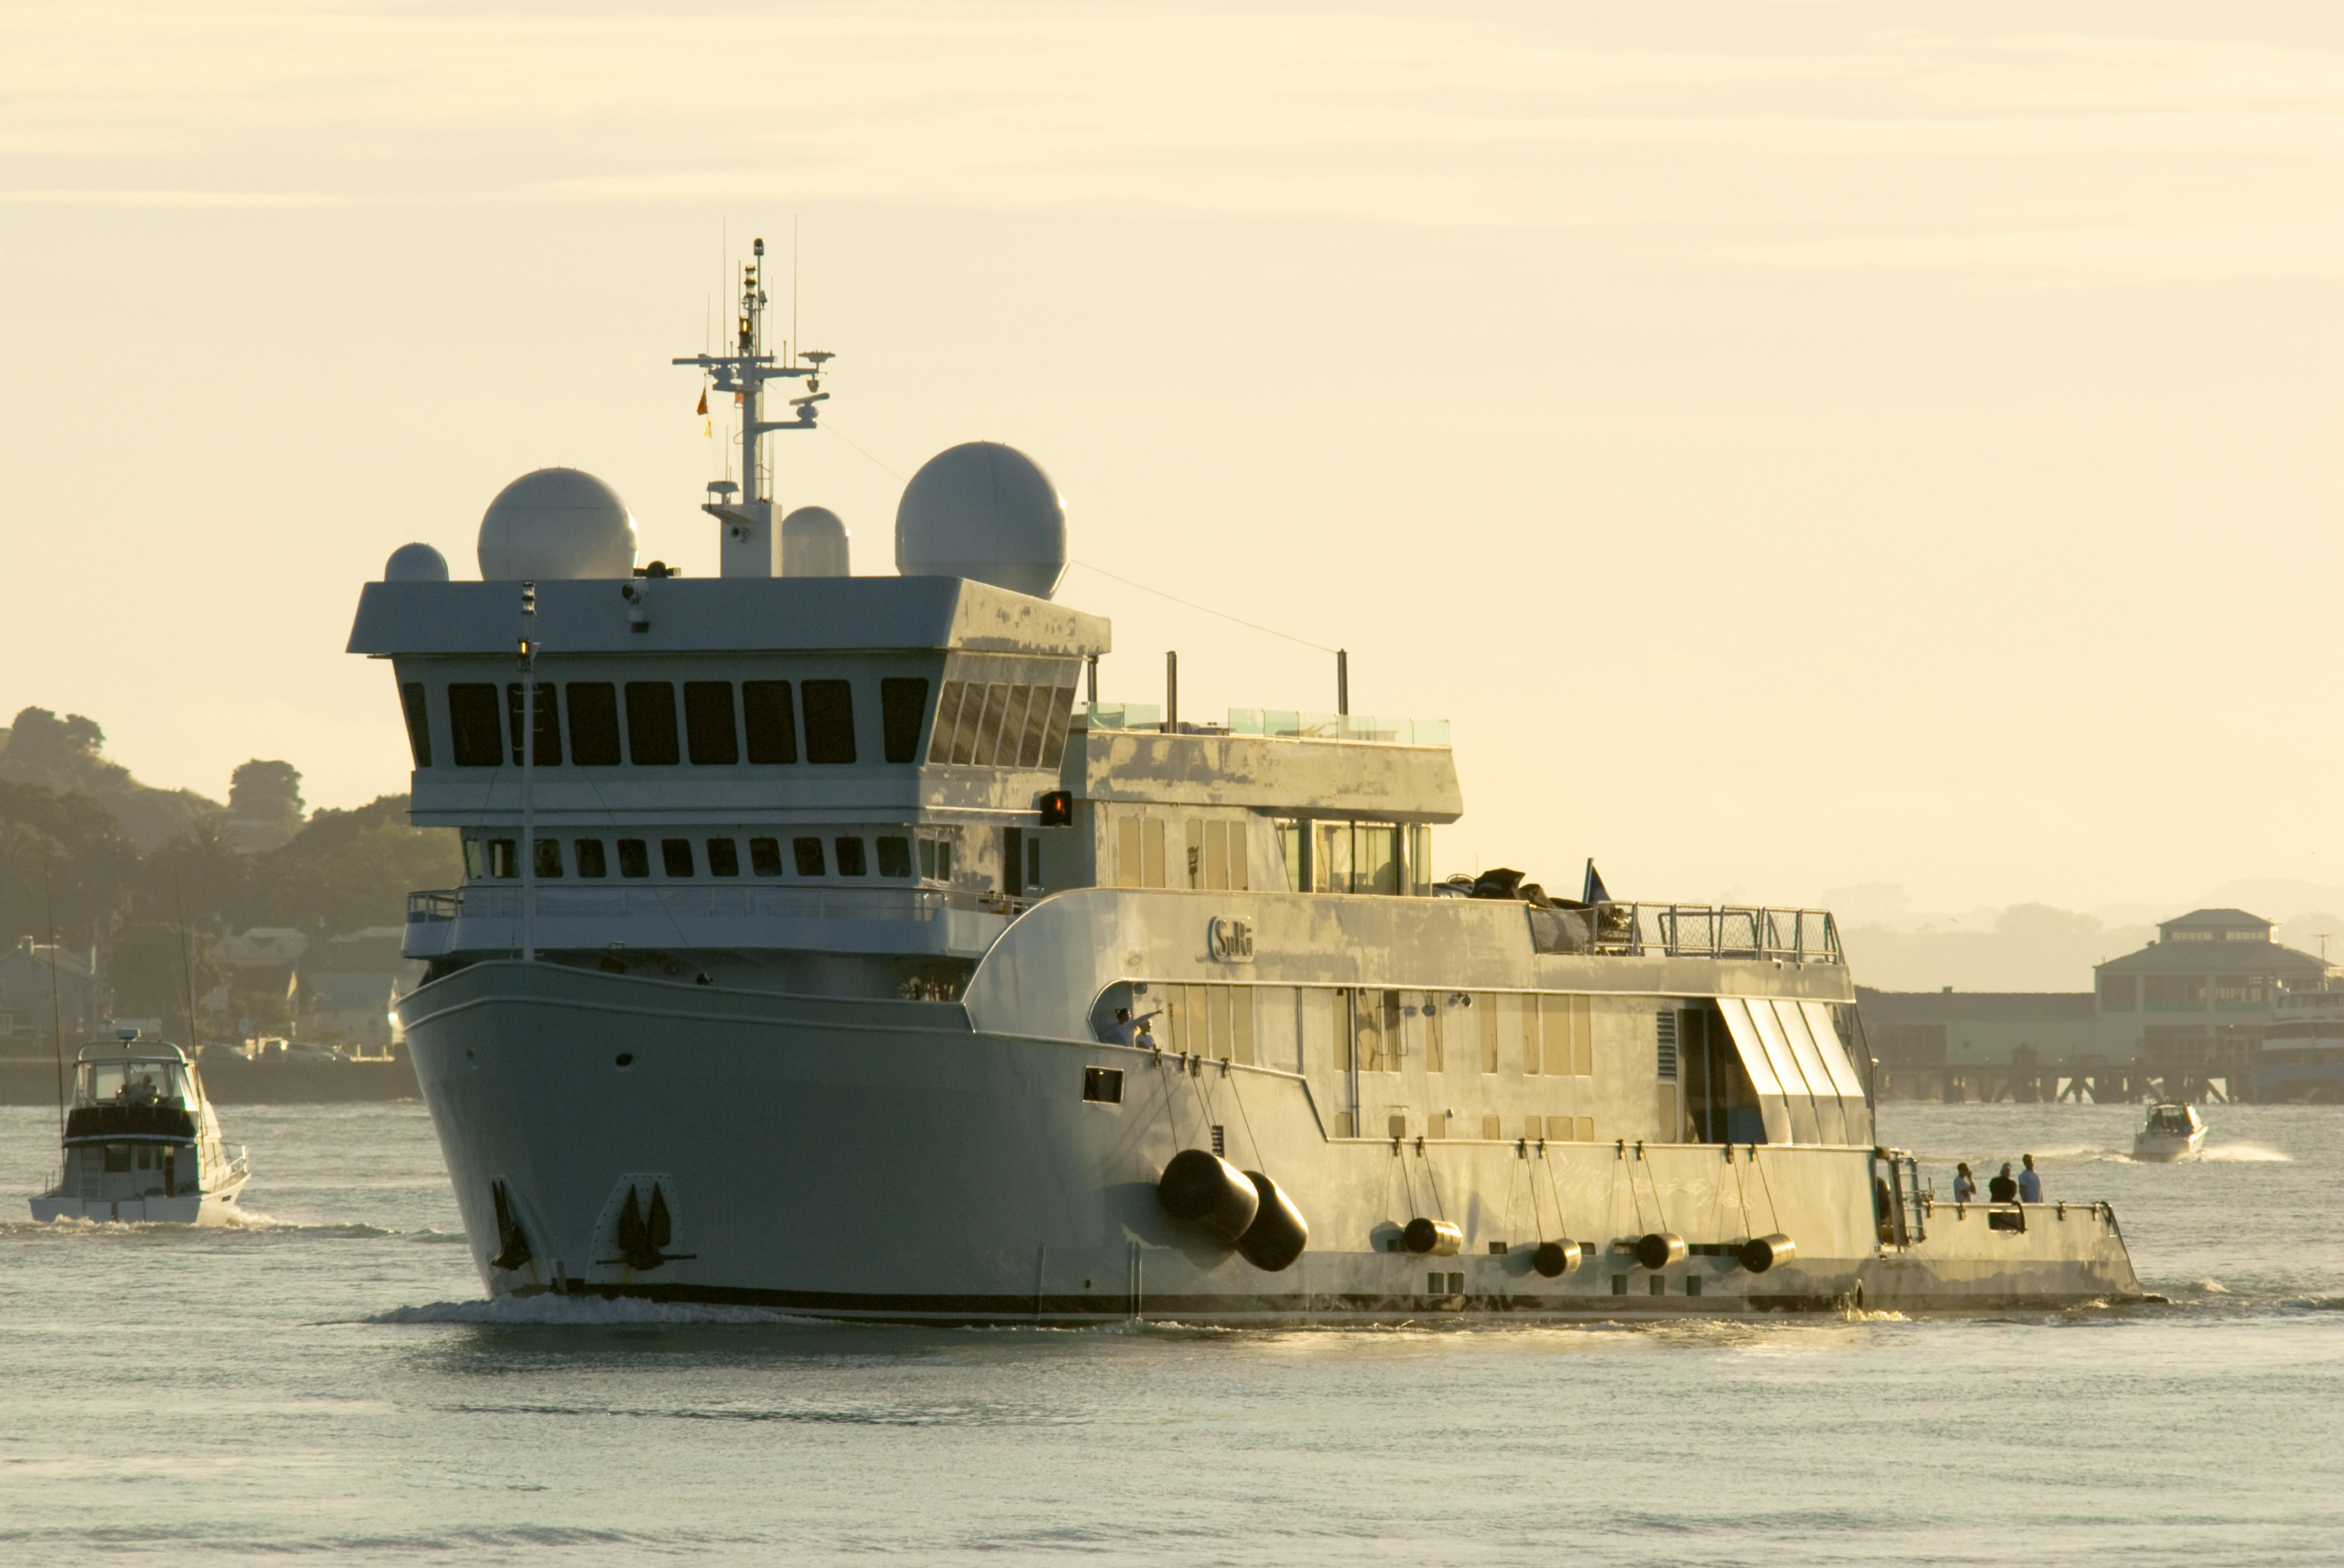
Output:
[[1690, 931]]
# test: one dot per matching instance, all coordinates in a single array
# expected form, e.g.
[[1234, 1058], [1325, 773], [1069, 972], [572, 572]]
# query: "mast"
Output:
[[528, 743], [751, 544]]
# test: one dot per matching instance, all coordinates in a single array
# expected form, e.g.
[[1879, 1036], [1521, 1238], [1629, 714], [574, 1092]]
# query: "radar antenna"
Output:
[[751, 540]]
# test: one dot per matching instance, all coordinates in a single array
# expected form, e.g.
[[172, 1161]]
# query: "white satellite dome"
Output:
[[814, 544], [416, 563], [983, 510], [556, 522]]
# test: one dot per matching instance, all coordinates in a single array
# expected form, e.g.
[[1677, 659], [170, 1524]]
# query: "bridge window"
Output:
[[593, 723], [851, 862], [936, 860], [588, 852], [473, 726], [829, 721], [894, 857], [809, 852], [418, 722], [765, 856], [548, 719], [634, 857], [947, 714], [723, 857], [651, 723], [902, 708], [771, 721], [675, 857], [707, 723]]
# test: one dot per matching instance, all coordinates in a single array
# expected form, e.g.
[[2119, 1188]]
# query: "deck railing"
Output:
[[1689, 930]]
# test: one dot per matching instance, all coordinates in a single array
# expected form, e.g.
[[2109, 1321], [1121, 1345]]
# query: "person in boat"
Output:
[[139, 1090], [1118, 1032], [2003, 1189], [2030, 1183], [1965, 1186]]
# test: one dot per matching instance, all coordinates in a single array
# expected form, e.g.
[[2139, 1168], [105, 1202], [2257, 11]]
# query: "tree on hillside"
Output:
[[347, 870], [151, 971], [264, 804], [63, 852], [67, 756], [200, 877]]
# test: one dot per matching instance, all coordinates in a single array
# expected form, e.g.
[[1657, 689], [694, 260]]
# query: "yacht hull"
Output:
[[884, 1160], [184, 1208]]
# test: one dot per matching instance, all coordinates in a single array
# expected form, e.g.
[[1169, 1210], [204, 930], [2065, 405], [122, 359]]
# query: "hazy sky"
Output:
[[1797, 444]]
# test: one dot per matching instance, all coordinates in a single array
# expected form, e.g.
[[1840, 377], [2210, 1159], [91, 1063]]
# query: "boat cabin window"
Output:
[[708, 722], [675, 857], [895, 856], [418, 722], [651, 724], [723, 857], [547, 752], [117, 1156], [851, 858], [936, 860], [771, 721], [589, 858], [1356, 857], [133, 1082], [593, 723], [503, 857], [765, 856], [548, 857], [634, 857], [829, 721], [903, 708], [808, 853], [474, 730]]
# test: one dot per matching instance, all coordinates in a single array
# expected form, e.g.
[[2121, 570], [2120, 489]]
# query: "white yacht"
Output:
[[825, 945], [2301, 1058], [2172, 1132], [141, 1142]]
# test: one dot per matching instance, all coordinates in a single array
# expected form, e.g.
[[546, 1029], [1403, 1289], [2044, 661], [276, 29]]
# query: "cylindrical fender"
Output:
[[1278, 1233], [1556, 1259], [1763, 1252], [1207, 1192], [1432, 1237], [1661, 1249]]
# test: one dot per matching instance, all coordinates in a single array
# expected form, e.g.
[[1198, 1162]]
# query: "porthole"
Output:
[[625, 1059]]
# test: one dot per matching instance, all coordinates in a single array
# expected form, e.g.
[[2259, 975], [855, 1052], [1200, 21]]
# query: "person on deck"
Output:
[[2001, 1189], [2030, 1183], [1965, 1186]]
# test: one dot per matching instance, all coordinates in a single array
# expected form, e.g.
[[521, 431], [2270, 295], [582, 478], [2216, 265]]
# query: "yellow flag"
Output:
[[710, 429]]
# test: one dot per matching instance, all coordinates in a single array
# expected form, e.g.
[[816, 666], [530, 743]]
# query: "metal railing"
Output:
[[502, 900], [1273, 724], [1689, 930]]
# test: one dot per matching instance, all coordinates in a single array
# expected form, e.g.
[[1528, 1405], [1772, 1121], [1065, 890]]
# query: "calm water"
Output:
[[328, 1382]]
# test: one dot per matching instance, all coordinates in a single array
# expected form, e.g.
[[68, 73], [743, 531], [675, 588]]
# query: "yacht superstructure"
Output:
[[825, 945]]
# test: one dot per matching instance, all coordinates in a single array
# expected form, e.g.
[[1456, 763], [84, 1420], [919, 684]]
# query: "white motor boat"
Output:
[[2172, 1132], [141, 1142]]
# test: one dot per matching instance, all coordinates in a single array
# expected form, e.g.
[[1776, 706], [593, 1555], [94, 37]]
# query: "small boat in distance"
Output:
[[2172, 1132], [141, 1142]]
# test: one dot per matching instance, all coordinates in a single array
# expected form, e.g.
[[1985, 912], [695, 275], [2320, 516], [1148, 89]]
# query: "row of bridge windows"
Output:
[[809, 856], [595, 723]]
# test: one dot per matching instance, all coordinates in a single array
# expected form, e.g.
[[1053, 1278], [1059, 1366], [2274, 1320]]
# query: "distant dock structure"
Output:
[[2183, 1017]]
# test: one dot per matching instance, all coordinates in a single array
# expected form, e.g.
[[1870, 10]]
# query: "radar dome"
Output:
[[556, 522], [814, 544], [983, 510], [416, 563]]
